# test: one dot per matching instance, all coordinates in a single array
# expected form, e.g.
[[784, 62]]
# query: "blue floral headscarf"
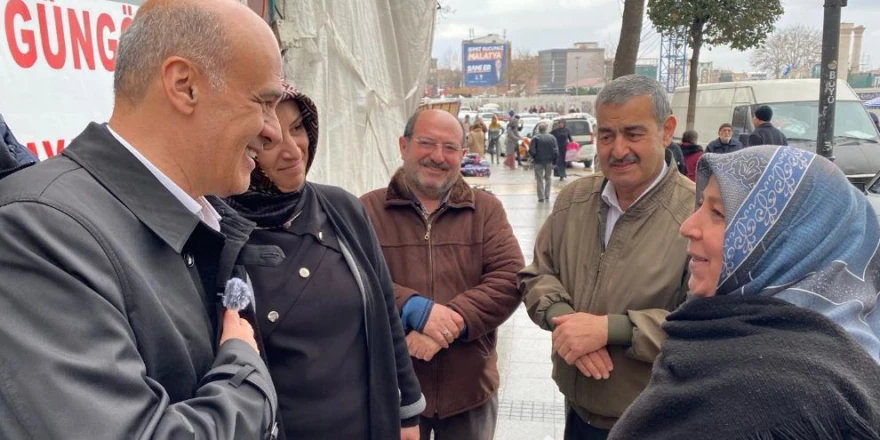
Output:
[[797, 230]]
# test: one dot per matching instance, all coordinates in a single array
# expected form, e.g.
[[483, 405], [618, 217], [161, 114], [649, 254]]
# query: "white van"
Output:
[[795, 104]]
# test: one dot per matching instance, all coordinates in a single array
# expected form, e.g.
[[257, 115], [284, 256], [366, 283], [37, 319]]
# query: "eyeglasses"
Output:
[[430, 144]]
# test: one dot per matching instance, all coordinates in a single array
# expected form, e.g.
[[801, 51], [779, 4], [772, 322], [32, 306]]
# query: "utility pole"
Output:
[[828, 84], [577, 76]]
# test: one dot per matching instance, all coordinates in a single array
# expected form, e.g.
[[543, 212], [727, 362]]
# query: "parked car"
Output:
[[463, 113], [530, 127], [872, 191], [795, 104], [581, 126], [487, 116], [533, 127], [532, 116]]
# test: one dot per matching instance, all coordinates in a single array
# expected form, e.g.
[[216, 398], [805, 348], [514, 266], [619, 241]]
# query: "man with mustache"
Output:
[[453, 259], [603, 284]]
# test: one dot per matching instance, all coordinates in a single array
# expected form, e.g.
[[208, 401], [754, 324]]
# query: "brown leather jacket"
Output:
[[464, 256]]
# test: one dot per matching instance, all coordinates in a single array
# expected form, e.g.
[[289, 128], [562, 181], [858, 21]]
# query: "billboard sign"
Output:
[[56, 67], [483, 65]]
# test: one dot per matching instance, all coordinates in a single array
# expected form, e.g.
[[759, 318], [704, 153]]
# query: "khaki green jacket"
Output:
[[636, 280]]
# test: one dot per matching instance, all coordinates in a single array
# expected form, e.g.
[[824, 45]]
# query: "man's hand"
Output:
[[411, 433], [421, 347], [596, 364], [444, 325], [577, 334], [236, 328]]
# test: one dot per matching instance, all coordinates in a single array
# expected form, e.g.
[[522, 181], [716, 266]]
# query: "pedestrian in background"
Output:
[[494, 148], [512, 143], [691, 151], [563, 137], [453, 258], [603, 284], [765, 133], [544, 154], [725, 142], [476, 142], [327, 308], [783, 327]]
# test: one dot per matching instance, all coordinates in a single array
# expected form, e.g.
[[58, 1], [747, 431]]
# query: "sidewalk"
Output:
[[530, 405]]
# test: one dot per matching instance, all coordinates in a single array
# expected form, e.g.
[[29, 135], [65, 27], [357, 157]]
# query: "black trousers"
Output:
[[577, 429], [476, 424]]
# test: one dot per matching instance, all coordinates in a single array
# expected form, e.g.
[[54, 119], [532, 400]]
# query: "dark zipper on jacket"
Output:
[[429, 223]]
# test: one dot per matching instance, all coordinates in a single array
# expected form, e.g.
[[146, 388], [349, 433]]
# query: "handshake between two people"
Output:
[[581, 340], [443, 327]]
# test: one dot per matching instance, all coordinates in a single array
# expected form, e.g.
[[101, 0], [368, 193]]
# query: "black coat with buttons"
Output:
[[110, 307], [330, 327]]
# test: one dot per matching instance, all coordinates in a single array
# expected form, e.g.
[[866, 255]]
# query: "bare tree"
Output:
[[610, 47], [451, 60], [444, 10], [798, 46], [524, 68], [630, 37], [448, 73]]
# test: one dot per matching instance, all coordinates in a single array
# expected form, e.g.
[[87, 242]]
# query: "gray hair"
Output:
[[542, 127], [173, 29], [411, 125], [623, 89]]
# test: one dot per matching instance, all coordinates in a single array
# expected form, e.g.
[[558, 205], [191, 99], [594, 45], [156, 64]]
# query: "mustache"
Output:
[[436, 165], [629, 158]]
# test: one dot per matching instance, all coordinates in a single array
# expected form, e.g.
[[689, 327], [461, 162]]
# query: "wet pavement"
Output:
[[530, 405]]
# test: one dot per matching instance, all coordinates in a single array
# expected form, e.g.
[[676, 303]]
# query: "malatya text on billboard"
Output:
[[483, 65]]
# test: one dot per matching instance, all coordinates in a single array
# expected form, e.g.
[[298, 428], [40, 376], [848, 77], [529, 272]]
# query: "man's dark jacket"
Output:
[[543, 149], [767, 134], [717, 146], [110, 307], [673, 152], [13, 155]]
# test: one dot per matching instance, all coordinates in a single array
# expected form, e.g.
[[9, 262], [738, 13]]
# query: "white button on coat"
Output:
[[303, 272], [273, 316]]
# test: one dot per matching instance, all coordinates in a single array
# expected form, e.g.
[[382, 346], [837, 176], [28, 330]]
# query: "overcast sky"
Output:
[[548, 24]]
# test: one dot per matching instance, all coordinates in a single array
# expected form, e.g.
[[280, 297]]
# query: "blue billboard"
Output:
[[483, 65]]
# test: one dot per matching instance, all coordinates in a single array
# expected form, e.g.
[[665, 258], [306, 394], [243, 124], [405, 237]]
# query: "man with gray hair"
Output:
[[604, 284], [114, 258], [544, 153]]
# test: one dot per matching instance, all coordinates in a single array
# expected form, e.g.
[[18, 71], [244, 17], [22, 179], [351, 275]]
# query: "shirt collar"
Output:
[[199, 207], [609, 196]]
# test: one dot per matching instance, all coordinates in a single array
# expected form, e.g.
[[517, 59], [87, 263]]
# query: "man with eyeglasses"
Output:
[[453, 259]]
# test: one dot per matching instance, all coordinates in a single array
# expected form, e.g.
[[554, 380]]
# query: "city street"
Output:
[[530, 405]]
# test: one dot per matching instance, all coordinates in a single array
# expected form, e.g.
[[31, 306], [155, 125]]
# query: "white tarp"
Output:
[[365, 64]]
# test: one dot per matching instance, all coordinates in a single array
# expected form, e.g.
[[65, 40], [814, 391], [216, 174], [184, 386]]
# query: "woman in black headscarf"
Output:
[[326, 315]]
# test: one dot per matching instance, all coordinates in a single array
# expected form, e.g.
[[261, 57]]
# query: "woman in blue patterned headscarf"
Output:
[[796, 230], [780, 339]]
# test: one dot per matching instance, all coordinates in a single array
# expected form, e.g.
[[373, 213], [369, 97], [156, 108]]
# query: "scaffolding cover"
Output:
[[365, 64]]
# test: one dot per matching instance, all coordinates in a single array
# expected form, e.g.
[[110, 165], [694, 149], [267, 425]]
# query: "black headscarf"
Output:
[[264, 203]]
